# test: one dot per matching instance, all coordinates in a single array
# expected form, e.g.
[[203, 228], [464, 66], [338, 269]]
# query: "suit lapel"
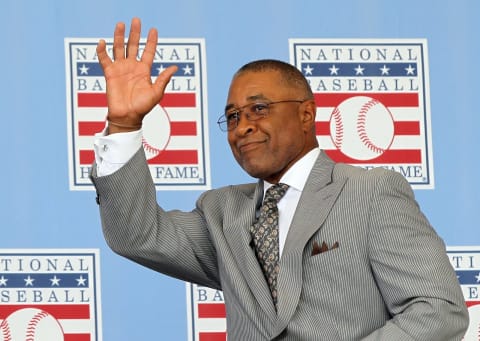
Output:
[[317, 199], [238, 237], [315, 203]]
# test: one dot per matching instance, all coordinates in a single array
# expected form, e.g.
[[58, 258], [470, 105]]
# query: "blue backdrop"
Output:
[[39, 211]]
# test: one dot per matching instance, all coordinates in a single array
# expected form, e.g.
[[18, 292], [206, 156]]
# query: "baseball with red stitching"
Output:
[[31, 324], [473, 331], [362, 127], [156, 131]]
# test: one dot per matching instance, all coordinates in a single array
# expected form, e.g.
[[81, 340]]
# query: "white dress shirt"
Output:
[[295, 177], [113, 151]]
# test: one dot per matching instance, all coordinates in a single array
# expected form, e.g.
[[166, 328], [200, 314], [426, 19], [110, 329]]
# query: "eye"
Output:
[[259, 109], [232, 116]]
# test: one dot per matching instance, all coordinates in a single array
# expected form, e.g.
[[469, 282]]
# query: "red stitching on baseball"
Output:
[[361, 124], [338, 127], [5, 328], [32, 325], [149, 148]]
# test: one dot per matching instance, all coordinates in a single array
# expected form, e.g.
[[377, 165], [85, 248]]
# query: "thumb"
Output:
[[163, 79]]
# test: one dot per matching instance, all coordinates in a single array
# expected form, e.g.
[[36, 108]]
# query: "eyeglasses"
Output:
[[253, 112]]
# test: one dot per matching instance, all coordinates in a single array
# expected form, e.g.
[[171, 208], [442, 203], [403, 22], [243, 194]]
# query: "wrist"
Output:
[[121, 127]]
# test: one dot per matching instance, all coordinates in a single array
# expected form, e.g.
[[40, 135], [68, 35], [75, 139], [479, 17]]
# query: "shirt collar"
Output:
[[297, 175]]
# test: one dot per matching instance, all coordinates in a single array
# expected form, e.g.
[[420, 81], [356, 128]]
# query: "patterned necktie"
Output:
[[265, 236]]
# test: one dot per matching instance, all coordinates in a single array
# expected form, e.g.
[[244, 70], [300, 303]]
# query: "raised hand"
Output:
[[130, 91]]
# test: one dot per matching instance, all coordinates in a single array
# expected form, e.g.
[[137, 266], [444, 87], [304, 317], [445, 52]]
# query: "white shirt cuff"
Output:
[[113, 151]]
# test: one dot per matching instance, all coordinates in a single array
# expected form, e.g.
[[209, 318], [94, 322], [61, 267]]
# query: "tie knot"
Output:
[[276, 192]]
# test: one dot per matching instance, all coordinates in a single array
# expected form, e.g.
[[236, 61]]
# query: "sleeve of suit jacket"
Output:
[[135, 226], [411, 268]]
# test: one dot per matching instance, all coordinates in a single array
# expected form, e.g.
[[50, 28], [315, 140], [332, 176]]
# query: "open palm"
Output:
[[131, 94]]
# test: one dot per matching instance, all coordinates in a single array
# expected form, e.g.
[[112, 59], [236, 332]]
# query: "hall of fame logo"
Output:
[[206, 316], [466, 262], [373, 102], [50, 295], [175, 132]]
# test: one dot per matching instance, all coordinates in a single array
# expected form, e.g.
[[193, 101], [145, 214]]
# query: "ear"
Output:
[[308, 114]]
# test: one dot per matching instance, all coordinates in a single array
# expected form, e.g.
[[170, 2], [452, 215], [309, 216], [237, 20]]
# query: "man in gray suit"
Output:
[[357, 260]]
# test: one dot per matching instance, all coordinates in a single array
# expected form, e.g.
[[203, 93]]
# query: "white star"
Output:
[[29, 281], [308, 70], [359, 70], [81, 281], [55, 281], [187, 70], [410, 70], [3, 281], [478, 277], [384, 70], [160, 69], [84, 70], [334, 70]]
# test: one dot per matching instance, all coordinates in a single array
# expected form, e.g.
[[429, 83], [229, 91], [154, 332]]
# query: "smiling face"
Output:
[[268, 147]]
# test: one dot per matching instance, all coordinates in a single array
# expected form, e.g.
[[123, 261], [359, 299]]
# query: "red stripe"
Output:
[[91, 100], [86, 157], [90, 128], [166, 157], [387, 99], [212, 336], [400, 128], [322, 128], [211, 310], [407, 128], [183, 128], [59, 311], [175, 157], [99, 99], [76, 337], [470, 303], [389, 156], [178, 100]]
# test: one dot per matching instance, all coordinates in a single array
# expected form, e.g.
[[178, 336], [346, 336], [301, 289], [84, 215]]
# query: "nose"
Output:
[[244, 126]]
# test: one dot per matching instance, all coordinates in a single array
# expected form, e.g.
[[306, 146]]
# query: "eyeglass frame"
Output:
[[224, 118]]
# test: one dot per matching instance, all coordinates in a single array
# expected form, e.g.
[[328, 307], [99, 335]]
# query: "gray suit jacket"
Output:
[[388, 279]]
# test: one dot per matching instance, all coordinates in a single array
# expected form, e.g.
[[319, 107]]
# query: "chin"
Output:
[[257, 172], [253, 171]]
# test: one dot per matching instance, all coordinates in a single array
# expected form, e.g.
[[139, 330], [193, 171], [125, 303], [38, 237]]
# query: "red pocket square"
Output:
[[324, 248]]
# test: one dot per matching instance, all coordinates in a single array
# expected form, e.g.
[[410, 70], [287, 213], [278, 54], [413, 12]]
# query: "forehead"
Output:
[[251, 85]]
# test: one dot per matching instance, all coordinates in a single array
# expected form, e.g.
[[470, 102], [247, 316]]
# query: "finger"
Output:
[[163, 79], [150, 47], [103, 57], [119, 41], [134, 38]]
